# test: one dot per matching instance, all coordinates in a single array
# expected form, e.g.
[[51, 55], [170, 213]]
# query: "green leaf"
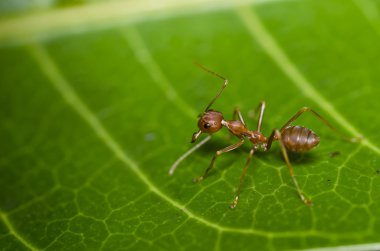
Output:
[[96, 109]]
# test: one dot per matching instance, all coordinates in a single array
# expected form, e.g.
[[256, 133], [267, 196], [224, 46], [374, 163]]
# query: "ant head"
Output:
[[209, 122]]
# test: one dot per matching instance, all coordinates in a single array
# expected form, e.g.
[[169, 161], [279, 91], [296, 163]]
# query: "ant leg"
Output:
[[270, 140], [186, 154], [261, 108], [276, 135], [234, 203], [236, 114], [308, 109], [218, 153]]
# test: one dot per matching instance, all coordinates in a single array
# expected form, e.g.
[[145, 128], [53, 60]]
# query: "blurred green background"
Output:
[[99, 98]]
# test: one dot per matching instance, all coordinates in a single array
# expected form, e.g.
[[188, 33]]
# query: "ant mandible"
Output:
[[298, 139]]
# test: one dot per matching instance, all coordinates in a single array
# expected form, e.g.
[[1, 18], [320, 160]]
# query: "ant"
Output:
[[298, 139]]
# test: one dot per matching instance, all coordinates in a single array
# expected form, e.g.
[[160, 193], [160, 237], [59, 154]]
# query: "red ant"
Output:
[[296, 139]]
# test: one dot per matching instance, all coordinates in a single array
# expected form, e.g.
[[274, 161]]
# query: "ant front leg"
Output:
[[218, 153], [276, 135], [186, 154]]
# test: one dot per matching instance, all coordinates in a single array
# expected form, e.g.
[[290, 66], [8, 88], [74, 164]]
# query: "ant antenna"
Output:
[[216, 75]]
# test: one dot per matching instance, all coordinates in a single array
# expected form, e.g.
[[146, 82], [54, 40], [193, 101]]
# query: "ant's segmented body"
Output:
[[291, 138]]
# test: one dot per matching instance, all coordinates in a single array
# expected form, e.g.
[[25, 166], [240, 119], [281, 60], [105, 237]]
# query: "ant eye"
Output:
[[207, 126]]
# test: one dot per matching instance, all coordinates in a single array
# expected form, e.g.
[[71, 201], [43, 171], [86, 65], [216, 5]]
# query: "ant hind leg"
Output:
[[314, 113], [276, 135]]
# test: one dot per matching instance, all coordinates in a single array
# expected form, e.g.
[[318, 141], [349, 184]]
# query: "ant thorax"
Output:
[[236, 127]]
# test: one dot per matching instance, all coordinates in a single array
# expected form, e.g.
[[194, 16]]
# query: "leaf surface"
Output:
[[91, 122]]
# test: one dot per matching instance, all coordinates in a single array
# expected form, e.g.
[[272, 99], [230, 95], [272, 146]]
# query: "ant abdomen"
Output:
[[299, 139]]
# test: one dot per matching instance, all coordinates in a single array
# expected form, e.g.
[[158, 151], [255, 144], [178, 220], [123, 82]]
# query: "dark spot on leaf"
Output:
[[334, 154]]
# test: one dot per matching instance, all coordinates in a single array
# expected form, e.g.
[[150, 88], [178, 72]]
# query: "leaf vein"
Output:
[[144, 56], [259, 32], [71, 97], [13, 231]]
